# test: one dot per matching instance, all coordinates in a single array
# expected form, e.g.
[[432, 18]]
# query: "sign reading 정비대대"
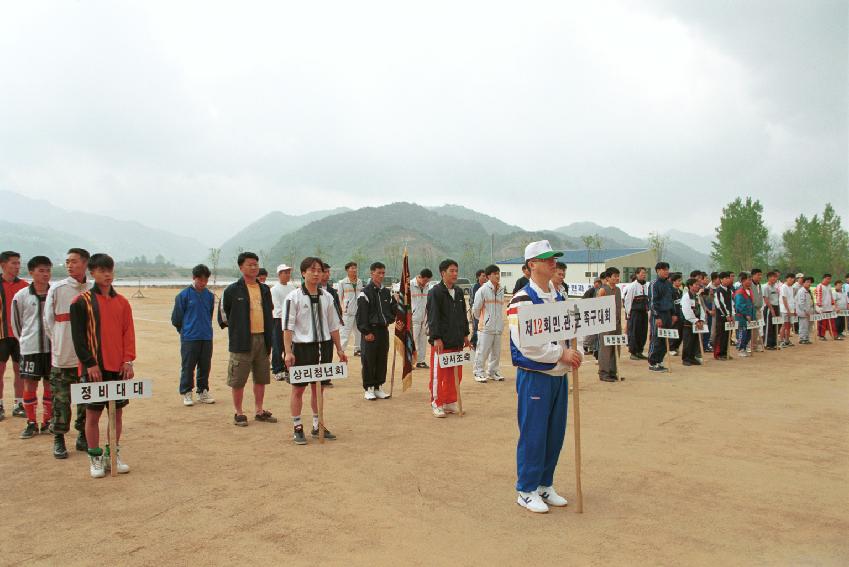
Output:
[[113, 390], [318, 372]]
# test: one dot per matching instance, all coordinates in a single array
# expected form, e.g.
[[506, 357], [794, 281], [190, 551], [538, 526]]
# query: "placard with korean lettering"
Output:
[[318, 372], [667, 333], [458, 358], [756, 324], [843, 313], [615, 340], [731, 326], [546, 322], [95, 392], [777, 319]]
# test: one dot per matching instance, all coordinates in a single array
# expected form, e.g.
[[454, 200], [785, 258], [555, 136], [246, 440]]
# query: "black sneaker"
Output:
[[2, 413], [687, 363], [327, 434], [635, 357], [424, 365], [59, 450], [45, 428], [81, 443], [298, 436], [18, 410], [657, 368], [265, 416], [30, 431], [608, 378], [240, 420]]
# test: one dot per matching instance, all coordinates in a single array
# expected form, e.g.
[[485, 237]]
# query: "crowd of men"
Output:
[[81, 330]]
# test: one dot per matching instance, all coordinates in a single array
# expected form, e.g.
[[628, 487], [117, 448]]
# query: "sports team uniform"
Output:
[[489, 310], [28, 314], [9, 345], [348, 293]]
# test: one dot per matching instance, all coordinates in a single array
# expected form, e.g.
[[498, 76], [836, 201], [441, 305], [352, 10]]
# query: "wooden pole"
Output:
[[113, 440], [576, 392], [320, 393], [457, 388], [667, 354], [701, 345], [618, 359], [728, 347], [392, 379]]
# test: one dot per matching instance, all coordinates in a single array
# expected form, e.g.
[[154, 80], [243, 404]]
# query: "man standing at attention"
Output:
[[10, 284], [419, 286], [637, 314], [376, 310], [543, 389], [349, 289], [488, 307], [245, 311], [279, 292], [192, 317], [662, 315]]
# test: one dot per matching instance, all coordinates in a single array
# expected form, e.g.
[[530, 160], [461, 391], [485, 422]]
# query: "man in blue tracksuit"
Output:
[[542, 387], [192, 316], [662, 304]]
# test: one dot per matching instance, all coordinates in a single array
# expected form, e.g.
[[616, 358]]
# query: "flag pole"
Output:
[[392, 379]]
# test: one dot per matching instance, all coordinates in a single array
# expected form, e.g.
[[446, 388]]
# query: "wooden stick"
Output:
[[728, 347], [320, 393], [113, 440], [667, 354], [701, 345], [618, 359], [392, 379], [576, 392], [457, 389]]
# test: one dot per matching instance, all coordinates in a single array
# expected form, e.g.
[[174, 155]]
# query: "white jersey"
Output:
[[418, 300], [57, 320], [787, 295], [491, 302], [309, 321], [279, 292], [348, 293], [28, 321]]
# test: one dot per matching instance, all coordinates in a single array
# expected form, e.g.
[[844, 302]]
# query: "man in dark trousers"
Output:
[[637, 312], [662, 301], [376, 310], [523, 281], [724, 305]]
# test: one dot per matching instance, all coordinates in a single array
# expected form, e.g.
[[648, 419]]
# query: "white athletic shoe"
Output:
[[497, 377], [438, 412], [480, 378], [187, 399], [451, 408], [280, 376], [205, 398], [380, 394], [532, 501], [743, 354], [550, 497], [369, 394], [120, 466], [673, 353], [96, 467]]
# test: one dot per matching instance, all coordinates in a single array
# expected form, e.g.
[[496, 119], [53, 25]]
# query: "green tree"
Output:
[[816, 246], [742, 239]]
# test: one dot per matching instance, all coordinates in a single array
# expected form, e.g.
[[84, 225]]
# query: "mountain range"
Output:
[[337, 235]]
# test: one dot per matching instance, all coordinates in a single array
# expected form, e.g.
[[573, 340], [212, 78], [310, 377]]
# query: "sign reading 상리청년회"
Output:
[[113, 390], [318, 372], [561, 320]]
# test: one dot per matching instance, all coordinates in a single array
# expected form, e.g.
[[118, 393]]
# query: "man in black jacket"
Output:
[[448, 331], [246, 311], [724, 304], [376, 309]]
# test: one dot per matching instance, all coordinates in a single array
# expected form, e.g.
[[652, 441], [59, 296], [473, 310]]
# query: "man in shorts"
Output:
[[10, 284], [311, 326], [105, 343], [28, 315], [246, 312]]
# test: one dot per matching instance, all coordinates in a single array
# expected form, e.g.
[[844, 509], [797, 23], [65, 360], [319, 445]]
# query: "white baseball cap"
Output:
[[283, 268], [540, 250]]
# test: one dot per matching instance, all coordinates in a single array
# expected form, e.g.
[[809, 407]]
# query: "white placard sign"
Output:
[[546, 322], [832, 315], [754, 324], [318, 372], [843, 313], [794, 318], [615, 340], [731, 326], [113, 390], [667, 333], [778, 319], [814, 317], [450, 359], [705, 329]]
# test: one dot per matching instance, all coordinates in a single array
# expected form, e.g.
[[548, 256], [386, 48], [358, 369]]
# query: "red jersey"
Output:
[[7, 292]]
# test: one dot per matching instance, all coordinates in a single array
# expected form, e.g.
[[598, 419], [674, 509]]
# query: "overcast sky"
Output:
[[198, 117]]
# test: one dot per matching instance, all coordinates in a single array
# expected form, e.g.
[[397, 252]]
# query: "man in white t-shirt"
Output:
[[787, 301], [279, 291], [349, 289]]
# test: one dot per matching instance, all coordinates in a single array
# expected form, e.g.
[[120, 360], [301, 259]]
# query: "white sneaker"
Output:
[[742, 354], [120, 466], [280, 376], [480, 378], [380, 394], [370, 395], [673, 353], [550, 497], [451, 408], [187, 399], [532, 501], [497, 377], [205, 398], [96, 467], [438, 412]]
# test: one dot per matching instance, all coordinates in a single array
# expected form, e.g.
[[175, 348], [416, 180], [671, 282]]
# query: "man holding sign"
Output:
[[694, 323], [105, 343], [542, 387], [608, 368]]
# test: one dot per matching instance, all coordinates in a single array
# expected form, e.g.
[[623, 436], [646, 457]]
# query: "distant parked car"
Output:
[[465, 284]]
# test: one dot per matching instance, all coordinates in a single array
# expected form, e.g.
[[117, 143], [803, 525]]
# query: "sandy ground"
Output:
[[743, 462]]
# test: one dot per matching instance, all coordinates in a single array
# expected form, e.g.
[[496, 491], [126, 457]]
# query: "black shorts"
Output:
[[107, 377], [10, 348], [35, 366], [308, 353]]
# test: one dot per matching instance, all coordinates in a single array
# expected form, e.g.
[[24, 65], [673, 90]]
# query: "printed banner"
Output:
[[561, 320], [96, 392], [318, 372], [459, 358], [615, 340], [667, 333]]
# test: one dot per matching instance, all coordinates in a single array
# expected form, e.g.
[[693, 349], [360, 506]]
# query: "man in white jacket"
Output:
[[349, 289], [488, 309], [419, 286], [64, 361]]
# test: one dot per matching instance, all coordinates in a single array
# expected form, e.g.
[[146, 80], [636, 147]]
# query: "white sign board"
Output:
[[833, 315], [731, 326], [705, 329], [113, 390], [843, 313], [615, 340], [754, 324], [667, 333], [318, 372], [818, 316], [562, 320], [778, 320], [794, 319], [451, 359]]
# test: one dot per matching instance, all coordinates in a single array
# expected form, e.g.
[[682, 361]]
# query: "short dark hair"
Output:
[[350, 264], [447, 263], [691, 281], [426, 273], [714, 275], [376, 266], [325, 266], [743, 276], [102, 261], [661, 266], [612, 271], [723, 275], [809, 279], [756, 271], [491, 269], [771, 273], [244, 256], [37, 261], [8, 255], [826, 276], [309, 262], [200, 271], [560, 266], [603, 275], [695, 273], [262, 272], [479, 272], [675, 277], [81, 252], [525, 266], [640, 269], [789, 276]]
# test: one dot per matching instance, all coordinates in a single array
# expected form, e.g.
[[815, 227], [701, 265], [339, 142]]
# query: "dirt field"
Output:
[[743, 462]]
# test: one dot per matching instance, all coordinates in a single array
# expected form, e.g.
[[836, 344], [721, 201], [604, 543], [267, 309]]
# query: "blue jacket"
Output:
[[743, 305], [662, 294], [192, 314]]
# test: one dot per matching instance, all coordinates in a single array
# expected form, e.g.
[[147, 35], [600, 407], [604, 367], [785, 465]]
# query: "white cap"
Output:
[[540, 250], [283, 268], [800, 275]]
